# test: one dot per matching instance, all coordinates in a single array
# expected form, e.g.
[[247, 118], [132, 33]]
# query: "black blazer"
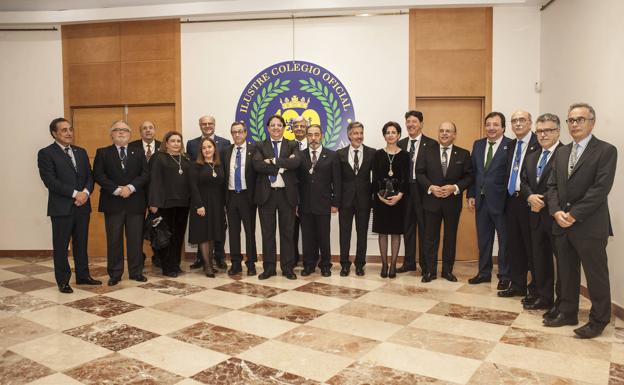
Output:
[[137, 145], [493, 181], [250, 173], [422, 146], [529, 185], [59, 176], [264, 151], [192, 146], [585, 193], [458, 172], [356, 190], [533, 147], [319, 191], [109, 175]]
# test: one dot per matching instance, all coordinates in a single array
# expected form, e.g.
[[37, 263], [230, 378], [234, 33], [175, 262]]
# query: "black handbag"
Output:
[[156, 231]]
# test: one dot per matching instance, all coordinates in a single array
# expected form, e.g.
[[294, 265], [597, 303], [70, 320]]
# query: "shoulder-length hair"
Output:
[[216, 159], [168, 135]]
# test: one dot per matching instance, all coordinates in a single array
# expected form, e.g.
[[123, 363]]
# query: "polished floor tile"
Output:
[[155, 321], [329, 341], [224, 298], [111, 335], [334, 291], [401, 302], [60, 317], [259, 325], [17, 370], [497, 374], [22, 303], [15, 330], [53, 294], [461, 327], [474, 313], [190, 308], [363, 327], [251, 289], [379, 313], [171, 287], [103, 306], [370, 374], [140, 296], [240, 372], [217, 338], [283, 311]]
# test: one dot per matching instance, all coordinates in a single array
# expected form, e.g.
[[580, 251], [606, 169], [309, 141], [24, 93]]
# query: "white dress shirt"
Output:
[[352, 156], [416, 148], [302, 144], [494, 147], [525, 145], [279, 182], [243, 151]]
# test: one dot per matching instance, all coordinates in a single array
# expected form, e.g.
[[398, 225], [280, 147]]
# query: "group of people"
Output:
[[546, 201]]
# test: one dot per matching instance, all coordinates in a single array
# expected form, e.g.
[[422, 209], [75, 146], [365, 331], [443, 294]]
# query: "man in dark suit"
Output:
[[517, 212], [444, 172], [578, 190], [356, 163], [319, 186], [299, 127], [122, 174], [66, 172], [240, 177], [534, 179], [276, 161], [207, 126], [488, 195], [147, 145], [415, 144]]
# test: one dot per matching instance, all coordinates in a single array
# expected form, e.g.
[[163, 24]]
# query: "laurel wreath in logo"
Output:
[[330, 104], [259, 106]]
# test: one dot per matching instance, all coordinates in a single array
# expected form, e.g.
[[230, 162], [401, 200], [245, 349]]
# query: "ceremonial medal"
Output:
[[180, 171], [390, 173]]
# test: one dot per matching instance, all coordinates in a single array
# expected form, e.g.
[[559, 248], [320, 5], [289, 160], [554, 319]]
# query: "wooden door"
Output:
[[163, 117], [467, 115]]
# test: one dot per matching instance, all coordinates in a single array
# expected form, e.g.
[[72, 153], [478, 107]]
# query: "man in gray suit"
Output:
[[577, 194]]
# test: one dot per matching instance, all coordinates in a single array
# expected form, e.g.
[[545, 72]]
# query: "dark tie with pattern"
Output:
[[148, 153], [542, 164], [276, 143], [238, 183], [71, 158], [488, 157], [444, 160], [412, 149], [122, 157], [356, 162]]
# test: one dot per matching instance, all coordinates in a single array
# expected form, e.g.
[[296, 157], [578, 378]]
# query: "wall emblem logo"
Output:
[[294, 88]]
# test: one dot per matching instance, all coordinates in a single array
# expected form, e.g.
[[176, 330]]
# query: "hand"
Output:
[[334, 210], [125, 192], [436, 191], [537, 202], [81, 198], [393, 200], [570, 218], [291, 156], [471, 203], [153, 209], [268, 161], [448, 190], [562, 219], [201, 212]]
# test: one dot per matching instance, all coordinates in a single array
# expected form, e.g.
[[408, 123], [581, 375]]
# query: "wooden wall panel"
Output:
[[148, 40], [148, 82], [163, 118], [450, 73], [95, 84], [450, 29], [91, 43]]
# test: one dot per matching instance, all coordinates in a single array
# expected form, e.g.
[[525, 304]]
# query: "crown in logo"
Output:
[[294, 102]]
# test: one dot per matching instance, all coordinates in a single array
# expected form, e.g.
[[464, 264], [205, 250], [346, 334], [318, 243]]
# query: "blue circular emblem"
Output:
[[297, 88]]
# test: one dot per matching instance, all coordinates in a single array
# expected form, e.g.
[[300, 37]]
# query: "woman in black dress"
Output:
[[169, 197], [207, 216], [390, 176]]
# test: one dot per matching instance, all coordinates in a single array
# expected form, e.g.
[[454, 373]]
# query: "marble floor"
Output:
[[315, 330]]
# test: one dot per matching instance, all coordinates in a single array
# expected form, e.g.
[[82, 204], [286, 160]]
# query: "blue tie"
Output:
[[238, 185], [511, 188], [542, 164], [273, 178]]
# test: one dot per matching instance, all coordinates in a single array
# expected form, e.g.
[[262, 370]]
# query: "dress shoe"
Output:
[[392, 271], [235, 270], [511, 292], [344, 271], [210, 274], [221, 263], [359, 271], [384, 271], [266, 275], [305, 272], [479, 279], [427, 277], [65, 288], [139, 278], [503, 284], [589, 330], [88, 281], [251, 271], [326, 272], [539, 303], [560, 320], [172, 274], [551, 313], [199, 262], [290, 274], [530, 298], [449, 277], [113, 281], [405, 269]]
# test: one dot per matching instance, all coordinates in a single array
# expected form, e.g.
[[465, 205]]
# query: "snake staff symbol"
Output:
[[292, 89]]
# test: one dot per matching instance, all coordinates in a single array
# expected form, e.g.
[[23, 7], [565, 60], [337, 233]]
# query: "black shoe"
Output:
[[139, 278], [251, 271], [199, 262], [511, 292], [560, 320], [210, 274], [551, 313], [427, 277], [449, 277], [405, 269], [172, 274], [305, 272], [266, 274], [530, 298], [221, 263], [384, 271], [88, 281], [359, 271], [392, 271], [65, 288], [326, 272], [344, 271], [289, 274], [113, 281], [179, 270], [503, 284], [477, 279], [589, 330], [235, 270], [539, 303]]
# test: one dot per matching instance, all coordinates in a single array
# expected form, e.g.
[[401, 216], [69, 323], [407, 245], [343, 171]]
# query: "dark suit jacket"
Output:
[[422, 146], [109, 175], [319, 191], [356, 190], [290, 164], [533, 147], [137, 145], [493, 182], [250, 173], [59, 176], [529, 185], [192, 146], [458, 172], [584, 194]]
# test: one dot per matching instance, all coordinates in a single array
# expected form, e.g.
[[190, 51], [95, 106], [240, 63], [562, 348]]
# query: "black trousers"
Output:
[[315, 230], [74, 227], [489, 224], [414, 222], [544, 264], [592, 254], [175, 218], [345, 220], [277, 202], [240, 209], [519, 250], [450, 216], [297, 254], [116, 225]]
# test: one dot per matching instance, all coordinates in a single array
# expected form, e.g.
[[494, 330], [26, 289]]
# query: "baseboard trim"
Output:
[[25, 253]]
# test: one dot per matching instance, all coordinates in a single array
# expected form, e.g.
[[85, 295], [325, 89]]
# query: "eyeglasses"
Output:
[[546, 131], [299, 125], [278, 125], [120, 130], [579, 120], [519, 120], [238, 132]]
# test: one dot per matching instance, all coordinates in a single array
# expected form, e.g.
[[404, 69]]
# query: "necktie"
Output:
[[273, 178], [444, 160], [356, 162], [314, 159], [71, 158], [412, 151], [238, 184], [488, 157], [572, 160], [122, 157], [511, 187], [148, 153], [300, 145], [542, 163]]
